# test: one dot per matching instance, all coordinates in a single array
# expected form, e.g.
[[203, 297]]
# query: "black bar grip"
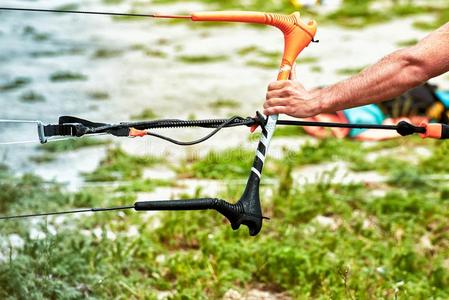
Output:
[[191, 204], [246, 211]]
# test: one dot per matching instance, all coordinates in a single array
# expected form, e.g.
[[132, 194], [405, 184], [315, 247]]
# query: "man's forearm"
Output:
[[393, 75], [389, 78]]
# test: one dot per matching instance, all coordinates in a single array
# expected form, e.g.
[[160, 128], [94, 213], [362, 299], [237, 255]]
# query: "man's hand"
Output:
[[386, 79], [291, 98]]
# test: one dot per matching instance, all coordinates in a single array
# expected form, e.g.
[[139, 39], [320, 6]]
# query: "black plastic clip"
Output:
[[260, 120]]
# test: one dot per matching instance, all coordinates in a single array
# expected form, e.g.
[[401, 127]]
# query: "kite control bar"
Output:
[[76, 127], [246, 211], [297, 36]]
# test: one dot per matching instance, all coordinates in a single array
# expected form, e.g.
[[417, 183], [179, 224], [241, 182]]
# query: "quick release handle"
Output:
[[297, 34]]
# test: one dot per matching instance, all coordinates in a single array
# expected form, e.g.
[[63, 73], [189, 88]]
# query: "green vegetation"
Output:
[[155, 53], [106, 53], [224, 103], [407, 43], [69, 6], [61, 76], [356, 14], [258, 5], [261, 58], [330, 149], [308, 59], [43, 158], [201, 59], [98, 95], [14, 84], [351, 14], [271, 65], [438, 162], [353, 244], [50, 150], [142, 185], [289, 131], [54, 53], [32, 97], [36, 36], [441, 17], [248, 50], [72, 144], [316, 69], [118, 165], [350, 71], [228, 164], [150, 51], [146, 114]]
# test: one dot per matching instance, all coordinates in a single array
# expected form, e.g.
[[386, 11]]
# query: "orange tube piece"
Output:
[[297, 34], [433, 130]]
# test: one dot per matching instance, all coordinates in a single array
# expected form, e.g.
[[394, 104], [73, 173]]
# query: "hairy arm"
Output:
[[388, 78]]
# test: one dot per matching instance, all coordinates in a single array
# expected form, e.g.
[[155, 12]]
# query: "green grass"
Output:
[[118, 165], [326, 150], [350, 71], [155, 53], [316, 69], [14, 84], [61, 52], [146, 114], [247, 50], [263, 64], [357, 14], [201, 59], [62, 76], [31, 97], [407, 43], [441, 17], [223, 103], [98, 95], [233, 163], [43, 158], [72, 144], [228, 164], [289, 131], [34, 34], [106, 53], [374, 249], [439, 161], [69, 6]]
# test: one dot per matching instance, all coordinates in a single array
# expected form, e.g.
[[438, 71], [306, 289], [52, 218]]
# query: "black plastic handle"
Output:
[[239, 213]]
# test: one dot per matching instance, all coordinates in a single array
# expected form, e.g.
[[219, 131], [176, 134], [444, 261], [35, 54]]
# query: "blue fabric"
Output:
[[368, 114], [443, 96]]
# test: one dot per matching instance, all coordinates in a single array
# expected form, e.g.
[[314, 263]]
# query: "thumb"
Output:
[[293, 73]]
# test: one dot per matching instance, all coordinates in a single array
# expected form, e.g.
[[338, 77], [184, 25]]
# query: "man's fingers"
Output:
[[276, 102], [275, 110], [276, 85], [276, 94]]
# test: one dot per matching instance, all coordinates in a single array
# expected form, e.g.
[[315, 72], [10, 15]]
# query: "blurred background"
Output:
[[349, 219]]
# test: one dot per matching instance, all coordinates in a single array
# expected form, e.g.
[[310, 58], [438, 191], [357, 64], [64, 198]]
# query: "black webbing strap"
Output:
[[59, 130], [74, 120], [70, 126]]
